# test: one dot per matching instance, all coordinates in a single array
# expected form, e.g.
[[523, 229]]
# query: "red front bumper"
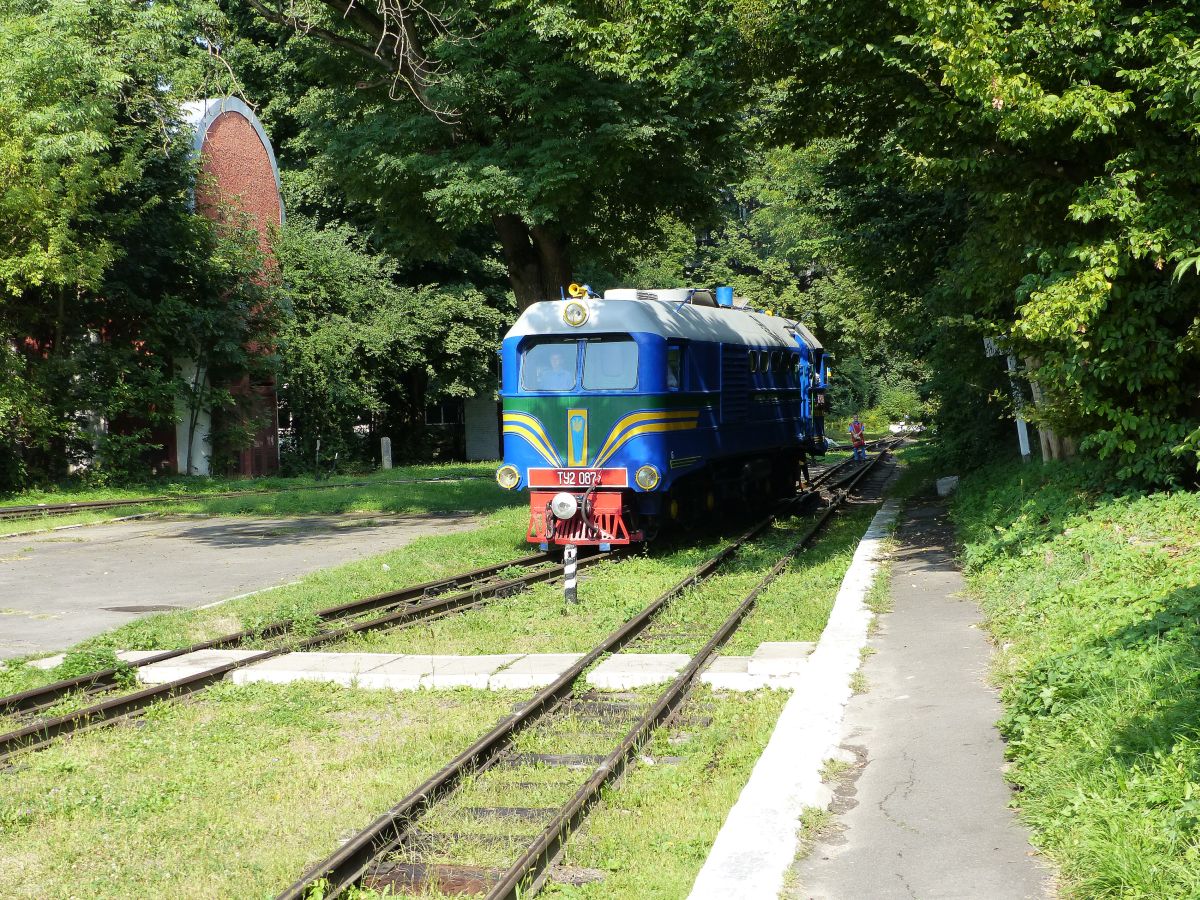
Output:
[[603, 522]]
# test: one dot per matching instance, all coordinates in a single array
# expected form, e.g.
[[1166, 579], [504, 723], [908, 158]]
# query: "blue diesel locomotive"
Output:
[[641, 407]]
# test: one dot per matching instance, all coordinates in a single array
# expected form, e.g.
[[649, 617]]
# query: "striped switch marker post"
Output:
[[570, 556]]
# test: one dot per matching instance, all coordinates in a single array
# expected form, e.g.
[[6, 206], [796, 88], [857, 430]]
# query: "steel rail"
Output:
[[527, 875], [347, 865], [35, 699], [44, 732]]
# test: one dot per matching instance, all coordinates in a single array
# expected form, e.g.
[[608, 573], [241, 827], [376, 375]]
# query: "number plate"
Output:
[[578, 478]]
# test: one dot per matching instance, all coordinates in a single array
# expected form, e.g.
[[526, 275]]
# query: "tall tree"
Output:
[[565, 127], [361, 351], [1069, 130]]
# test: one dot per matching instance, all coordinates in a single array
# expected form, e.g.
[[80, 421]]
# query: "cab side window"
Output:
[[674, 368]]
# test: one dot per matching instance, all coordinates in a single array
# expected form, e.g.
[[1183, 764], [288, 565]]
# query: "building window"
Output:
[[445, 412]]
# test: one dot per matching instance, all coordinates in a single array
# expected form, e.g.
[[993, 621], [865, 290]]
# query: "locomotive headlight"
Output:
[[647, 478], [575, 313], [508, 477], [564, 505]]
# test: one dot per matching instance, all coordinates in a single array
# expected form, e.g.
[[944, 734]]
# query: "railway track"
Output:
[[100, 691], [429, 842], [39, 510], [402, 608]]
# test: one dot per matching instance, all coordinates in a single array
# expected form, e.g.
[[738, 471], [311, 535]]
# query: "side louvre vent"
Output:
[[735, 383], [647, 295]]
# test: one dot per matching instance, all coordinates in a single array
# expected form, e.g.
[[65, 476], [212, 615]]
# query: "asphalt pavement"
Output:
[[59, 587], [924, 812]]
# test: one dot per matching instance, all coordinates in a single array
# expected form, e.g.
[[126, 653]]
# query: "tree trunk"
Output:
[[538, 259]]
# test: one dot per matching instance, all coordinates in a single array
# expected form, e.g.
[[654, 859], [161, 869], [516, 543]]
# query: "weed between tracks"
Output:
[[652, 833], [234, 775], [229, 796]]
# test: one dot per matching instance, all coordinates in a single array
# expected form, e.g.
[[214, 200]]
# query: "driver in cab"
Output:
[[558, 377]]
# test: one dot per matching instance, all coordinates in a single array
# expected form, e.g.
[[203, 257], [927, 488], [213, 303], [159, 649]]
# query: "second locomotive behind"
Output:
[[642, 407]]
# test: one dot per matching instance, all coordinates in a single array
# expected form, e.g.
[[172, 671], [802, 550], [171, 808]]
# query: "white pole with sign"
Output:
[[992, 348]]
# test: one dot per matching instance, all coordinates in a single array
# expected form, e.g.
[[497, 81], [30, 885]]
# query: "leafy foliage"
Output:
[[564, 128], [106, 276], [786, 242], [1093, 596], [1069, 130], [362, 352]]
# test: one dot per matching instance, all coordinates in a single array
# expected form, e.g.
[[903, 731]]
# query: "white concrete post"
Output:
[[570, 556], [991, 347], [1018, 402], [385, 452]]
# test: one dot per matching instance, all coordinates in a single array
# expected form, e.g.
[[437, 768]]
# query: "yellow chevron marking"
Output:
[[523, 431], [653, 428], [531, 422], [634, 418]]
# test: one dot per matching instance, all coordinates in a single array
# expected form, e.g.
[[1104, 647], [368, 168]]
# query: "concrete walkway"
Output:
[[59, 587], [924, 814]]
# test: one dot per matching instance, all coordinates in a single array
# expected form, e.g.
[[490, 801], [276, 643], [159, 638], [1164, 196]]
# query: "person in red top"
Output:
[[858, 438]]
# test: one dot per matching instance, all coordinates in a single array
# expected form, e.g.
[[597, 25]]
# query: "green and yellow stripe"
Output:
[[528, 427], [640, 423]]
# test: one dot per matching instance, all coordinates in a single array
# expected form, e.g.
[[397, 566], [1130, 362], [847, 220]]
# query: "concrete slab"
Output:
[[466, 671], [338, 668], [48, 662], [533, 671], [132, 656], [779, 658], [190, 664], [633, 670], [729, 673], [927, 814], [62, 587], [401, 674]]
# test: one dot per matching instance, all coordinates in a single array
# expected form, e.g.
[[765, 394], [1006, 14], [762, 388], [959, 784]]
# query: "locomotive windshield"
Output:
[[550, 366], [610, 365]]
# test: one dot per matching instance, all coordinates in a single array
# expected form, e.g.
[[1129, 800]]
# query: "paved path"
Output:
[[57, 588], [927, 815]]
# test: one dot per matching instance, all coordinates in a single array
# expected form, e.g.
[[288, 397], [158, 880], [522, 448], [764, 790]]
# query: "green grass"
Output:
[[377, 493], [535, 621], [231, 796], [179, 486], [1095, 602], [795, 607], [234, 775], [651, 831]]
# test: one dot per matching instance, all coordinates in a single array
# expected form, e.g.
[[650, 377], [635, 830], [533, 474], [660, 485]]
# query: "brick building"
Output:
[[239, 177]]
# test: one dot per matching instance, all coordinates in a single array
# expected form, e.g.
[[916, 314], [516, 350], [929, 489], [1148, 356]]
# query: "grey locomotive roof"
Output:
[[667, 313]]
